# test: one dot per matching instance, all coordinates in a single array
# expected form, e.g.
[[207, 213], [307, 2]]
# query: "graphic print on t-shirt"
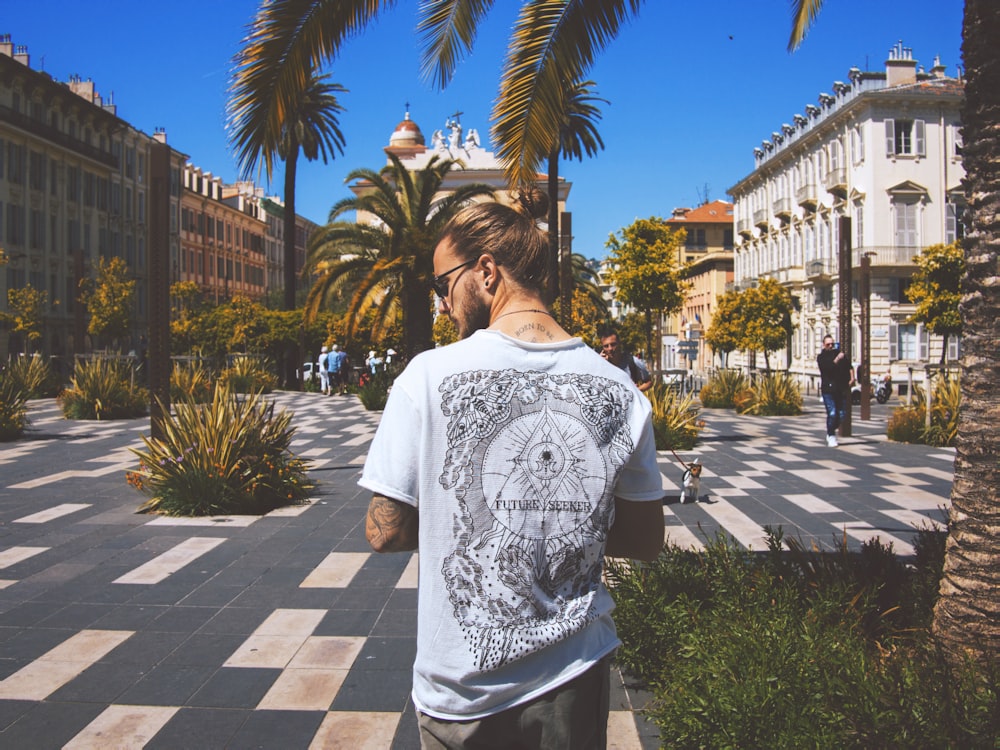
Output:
[[533, 460]]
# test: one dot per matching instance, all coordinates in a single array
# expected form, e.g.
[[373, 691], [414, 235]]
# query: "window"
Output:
[[904, 138], [908, 342], [695, 238], [859, 225], [15, 224], [954, 224], [36, 170], [15, 163], [857, 144], [906, 223], [727, 239]]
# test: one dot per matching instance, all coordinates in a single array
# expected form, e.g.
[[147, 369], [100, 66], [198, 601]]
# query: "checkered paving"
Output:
[[125, 630]]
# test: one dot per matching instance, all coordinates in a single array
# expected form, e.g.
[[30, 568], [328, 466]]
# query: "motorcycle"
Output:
[[881, 390]]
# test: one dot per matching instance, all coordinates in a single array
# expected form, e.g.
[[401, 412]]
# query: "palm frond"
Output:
[[553, 41], [447, 31], [804, 13], [284, 44]]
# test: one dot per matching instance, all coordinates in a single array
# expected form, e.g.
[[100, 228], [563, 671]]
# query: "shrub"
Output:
[[13, 406], [250, 374], [675, 418], [190, 381], [103, 389], [229, 456], [721, 389], [908, 424], [797, 648], [35, 376], [771, 395], [375, 392]]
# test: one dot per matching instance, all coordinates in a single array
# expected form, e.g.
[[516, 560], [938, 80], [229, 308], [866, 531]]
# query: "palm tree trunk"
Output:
[[291, 354], [967, 614], [553, 267]]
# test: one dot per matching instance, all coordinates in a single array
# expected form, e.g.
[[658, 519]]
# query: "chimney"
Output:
[[21, 55], [900, 68], [937, 70], [160, 135], [6, 45]]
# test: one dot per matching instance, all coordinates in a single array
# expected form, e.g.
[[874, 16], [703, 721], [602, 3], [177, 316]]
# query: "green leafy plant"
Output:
[[190, 381], [908, 424], [34, 374], [721, 389], [675, 418], [103, 389], [249, 374], [13, 406], [230, 456], [375, 392], [772, 394], [796, 647]]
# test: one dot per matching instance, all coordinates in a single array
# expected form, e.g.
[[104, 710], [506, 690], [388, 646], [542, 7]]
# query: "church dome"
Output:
[[407, 134]]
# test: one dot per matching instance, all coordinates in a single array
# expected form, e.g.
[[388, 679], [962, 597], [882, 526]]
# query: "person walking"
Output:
[[613, 351], [836, 377], [514, 459], [324, 376], [338, 370]]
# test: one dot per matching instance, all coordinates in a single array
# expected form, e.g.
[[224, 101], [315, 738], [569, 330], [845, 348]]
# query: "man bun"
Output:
[[533, 203]]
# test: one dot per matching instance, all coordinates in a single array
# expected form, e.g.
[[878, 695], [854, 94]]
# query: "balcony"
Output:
[[760, 219], [836, 182], [806, 196], [886, 257], [783, 208], [820, 269], [744, 227]]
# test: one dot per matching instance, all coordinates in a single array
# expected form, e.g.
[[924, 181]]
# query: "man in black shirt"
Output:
[[836, 378]]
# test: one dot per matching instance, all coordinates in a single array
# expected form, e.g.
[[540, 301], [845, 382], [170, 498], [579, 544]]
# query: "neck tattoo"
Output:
[[514, 312]]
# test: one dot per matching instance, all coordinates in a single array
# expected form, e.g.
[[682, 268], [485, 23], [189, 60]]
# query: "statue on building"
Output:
[[455, 136], [437, 140], [471, 139]]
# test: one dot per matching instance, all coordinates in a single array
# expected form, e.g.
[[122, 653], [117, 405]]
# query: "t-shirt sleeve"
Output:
[[640, 479], [392, 467]]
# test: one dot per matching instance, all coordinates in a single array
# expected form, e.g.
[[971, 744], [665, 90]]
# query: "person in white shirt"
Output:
[[514, 460]]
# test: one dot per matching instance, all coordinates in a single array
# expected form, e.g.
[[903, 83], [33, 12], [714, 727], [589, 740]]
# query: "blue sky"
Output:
[[693, 86]]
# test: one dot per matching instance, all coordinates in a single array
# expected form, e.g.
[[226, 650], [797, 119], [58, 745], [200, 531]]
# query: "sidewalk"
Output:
[[284, 631]]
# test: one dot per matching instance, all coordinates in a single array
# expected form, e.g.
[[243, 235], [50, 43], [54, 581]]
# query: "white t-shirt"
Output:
[[513, 454]]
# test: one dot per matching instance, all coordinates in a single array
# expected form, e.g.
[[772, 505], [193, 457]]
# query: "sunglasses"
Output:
[[440, 283]]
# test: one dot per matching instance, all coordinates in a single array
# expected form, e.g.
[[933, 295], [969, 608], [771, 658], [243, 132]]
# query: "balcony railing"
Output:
[[806, 195], [744, 227], [820, 268], [760, 218], [783, 207], [836, 180], [886, 256]]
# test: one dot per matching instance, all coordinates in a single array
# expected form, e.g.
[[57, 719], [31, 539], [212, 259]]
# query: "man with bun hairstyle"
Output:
[[514, 460]]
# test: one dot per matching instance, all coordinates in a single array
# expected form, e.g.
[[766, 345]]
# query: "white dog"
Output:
[[691, 482]]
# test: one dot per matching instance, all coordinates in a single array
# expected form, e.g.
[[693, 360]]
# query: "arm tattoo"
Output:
[[391, 526]]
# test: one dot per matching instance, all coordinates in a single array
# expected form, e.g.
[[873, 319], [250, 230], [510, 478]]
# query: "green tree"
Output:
[[25, 306], [646, 271], [577, 136], [965, 616], [444, 331], [389, 263], [935, 290], [110, 300], [586, 317], [766, 318], [725, 332]]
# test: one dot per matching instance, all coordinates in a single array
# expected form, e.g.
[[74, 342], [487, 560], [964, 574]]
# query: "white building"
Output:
[[883, 149]]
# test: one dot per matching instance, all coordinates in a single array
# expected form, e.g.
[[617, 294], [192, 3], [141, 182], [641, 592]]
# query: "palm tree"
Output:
[[966, 620], [388, 263], [577, 136]]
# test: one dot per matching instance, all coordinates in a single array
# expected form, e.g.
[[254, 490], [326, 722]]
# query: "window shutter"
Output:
[[890, 137], [923, 344], [954, 347], [893, 342], [918, 137]]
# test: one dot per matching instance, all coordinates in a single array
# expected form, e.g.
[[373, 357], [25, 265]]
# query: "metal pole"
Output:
[[864, 292], [846, 329]]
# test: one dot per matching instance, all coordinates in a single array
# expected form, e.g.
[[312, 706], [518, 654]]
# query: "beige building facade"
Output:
[[883, 150]]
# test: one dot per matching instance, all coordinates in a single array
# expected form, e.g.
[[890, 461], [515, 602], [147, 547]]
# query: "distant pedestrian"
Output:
[[338, 370], [324, 376], [613, 351], [836, 378]]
